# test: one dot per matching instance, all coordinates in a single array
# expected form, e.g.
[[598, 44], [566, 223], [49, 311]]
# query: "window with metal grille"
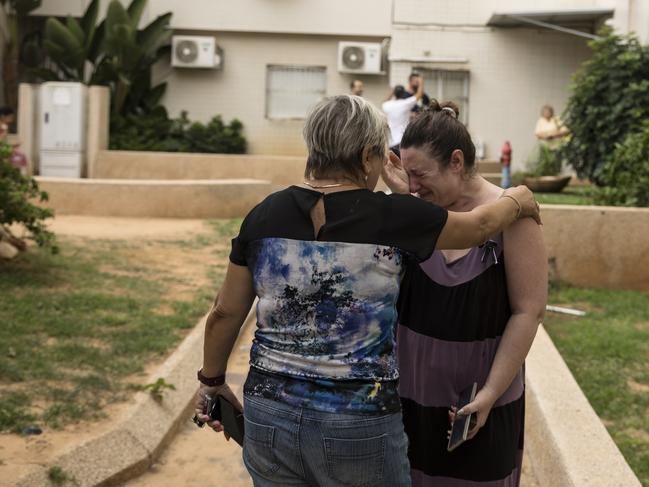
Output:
[[292, 90], [448, 86]]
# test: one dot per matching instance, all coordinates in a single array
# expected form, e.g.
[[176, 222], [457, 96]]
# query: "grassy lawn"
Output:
[[572, 195], [77, 329], [608, 353]]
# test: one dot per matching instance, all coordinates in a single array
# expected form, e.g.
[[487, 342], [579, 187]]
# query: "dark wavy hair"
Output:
[[438, 131]]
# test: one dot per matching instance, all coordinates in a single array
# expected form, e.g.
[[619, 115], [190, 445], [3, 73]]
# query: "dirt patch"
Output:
[[637, 434], [18, 454], [642, 326], [637, 386], [125, 228], [196, 454], [185, 269]]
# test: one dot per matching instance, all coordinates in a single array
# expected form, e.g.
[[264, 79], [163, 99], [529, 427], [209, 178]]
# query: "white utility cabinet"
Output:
[[62, 125]]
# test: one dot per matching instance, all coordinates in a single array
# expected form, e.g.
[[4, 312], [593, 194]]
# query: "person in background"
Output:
[[356, 87], [325, 259], [414, 80], [7, 117], [398, 108], [506, 163], [18, 158], [549, 129], [465, 316]]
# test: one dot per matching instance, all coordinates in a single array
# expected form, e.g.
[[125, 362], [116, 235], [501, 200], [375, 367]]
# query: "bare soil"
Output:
[[201, 457]]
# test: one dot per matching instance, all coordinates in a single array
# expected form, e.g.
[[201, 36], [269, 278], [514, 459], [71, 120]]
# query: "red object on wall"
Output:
[[506, 154]]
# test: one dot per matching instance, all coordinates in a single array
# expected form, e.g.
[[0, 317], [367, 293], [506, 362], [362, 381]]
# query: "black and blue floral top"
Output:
[[326, 313]]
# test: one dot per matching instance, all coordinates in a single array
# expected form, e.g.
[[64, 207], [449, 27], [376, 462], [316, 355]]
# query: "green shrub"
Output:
[[546, 162], [112, 52], [155, 131], [610, 98], [626, 175], [17, 193]]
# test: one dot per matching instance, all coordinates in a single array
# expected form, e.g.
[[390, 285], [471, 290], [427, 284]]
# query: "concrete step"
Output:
[[492, 177], [489, 166], [205, 198]]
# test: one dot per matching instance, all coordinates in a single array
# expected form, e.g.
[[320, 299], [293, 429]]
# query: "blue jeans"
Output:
[[506, 180], [287, 446]]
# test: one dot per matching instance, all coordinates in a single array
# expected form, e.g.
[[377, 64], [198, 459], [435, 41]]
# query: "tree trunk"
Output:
[[10, 78], [10, 63]]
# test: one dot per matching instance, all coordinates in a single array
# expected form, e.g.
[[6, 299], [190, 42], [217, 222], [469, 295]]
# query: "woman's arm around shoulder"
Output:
[[468, 229]]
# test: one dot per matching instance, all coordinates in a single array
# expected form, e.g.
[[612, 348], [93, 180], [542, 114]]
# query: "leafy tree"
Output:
[[610, 99], [15, 11], [114, 53], [626, 175], [17, 193]]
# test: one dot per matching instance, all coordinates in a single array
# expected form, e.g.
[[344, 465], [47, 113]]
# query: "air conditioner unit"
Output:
[[360, 57], [195, 52]]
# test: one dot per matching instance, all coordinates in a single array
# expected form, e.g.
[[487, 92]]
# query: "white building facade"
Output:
[[280, 56]]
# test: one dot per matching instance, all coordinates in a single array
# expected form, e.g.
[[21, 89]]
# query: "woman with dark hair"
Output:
[[325, 259], [465, 316]]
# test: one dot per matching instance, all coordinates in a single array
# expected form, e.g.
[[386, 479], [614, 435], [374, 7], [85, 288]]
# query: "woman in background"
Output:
[[550, 129]]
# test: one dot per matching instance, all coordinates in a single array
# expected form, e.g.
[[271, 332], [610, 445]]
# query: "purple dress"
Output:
[[451, 320]]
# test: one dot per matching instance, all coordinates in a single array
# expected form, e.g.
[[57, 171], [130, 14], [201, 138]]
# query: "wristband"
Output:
[[219, 380]]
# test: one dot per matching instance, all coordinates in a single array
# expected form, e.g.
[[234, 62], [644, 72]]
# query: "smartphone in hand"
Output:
[[223, 411], [462, 424]]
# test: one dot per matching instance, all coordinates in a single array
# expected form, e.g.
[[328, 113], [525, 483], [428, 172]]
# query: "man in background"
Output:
[[356, 87], [397, 109], [414, 80]]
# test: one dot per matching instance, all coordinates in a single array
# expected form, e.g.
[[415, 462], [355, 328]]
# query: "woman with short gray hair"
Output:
[[325, 259]]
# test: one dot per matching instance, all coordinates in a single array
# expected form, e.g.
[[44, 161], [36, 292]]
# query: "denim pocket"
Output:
[[258, 449], [356, 462]]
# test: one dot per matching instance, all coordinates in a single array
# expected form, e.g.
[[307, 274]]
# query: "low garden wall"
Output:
[[598, 246], [224, 198], [591, 246], [280, 170]]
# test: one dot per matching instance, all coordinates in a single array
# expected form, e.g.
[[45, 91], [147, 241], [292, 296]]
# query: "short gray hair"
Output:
[[336, 132]]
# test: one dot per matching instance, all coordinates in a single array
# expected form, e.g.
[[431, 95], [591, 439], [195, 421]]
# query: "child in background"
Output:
[[7, 117], [18, 158]]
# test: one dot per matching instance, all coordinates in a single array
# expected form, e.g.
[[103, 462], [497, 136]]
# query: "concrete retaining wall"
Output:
[[598, 246], [154, 198], [567, 443], [281, 170], [594, 246]]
